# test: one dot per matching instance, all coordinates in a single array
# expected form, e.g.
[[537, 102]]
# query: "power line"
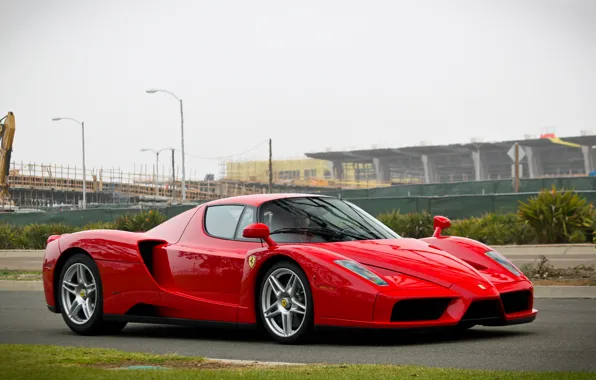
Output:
[[230, 156]]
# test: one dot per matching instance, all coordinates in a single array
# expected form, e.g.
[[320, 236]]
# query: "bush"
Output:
[[98, 226], [139, 222], [409, 225], [556, 215], [9, 235], [494, 229], [35, 236]]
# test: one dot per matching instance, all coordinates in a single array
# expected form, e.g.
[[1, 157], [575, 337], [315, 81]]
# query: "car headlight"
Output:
[[503, 261], [361, 271]]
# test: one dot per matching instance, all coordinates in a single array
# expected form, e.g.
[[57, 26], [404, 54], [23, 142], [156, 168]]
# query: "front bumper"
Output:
[[461, 304]]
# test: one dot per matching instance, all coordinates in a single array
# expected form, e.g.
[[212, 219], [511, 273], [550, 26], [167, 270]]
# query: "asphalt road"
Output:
[[562, 338]]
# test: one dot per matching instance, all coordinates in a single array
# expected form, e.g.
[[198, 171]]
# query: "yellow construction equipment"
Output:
[[7, 129]]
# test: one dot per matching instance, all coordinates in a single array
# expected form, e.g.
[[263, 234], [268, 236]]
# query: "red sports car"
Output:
[[286, 262]]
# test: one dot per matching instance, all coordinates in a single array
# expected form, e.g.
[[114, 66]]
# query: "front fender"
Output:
[[337, 292], [474, 253]]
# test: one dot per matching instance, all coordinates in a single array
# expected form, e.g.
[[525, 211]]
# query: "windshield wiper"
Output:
[[289, 230]]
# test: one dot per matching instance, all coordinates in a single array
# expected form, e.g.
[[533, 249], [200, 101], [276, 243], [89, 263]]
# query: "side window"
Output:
[[247, 218], [221, 221]]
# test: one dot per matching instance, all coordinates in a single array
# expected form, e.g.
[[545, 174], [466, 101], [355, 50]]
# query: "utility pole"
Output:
[[270, 167], [82, 124], [517, 167]]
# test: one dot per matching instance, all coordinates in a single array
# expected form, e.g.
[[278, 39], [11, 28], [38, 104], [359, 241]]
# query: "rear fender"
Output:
[[109, 246]]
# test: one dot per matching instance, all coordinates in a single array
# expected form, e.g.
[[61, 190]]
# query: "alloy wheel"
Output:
[[79, 293], [283, 302]]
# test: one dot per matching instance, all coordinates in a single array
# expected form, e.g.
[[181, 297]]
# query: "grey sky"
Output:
[[309, 74]]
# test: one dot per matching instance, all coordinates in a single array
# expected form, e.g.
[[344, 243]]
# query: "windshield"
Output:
[[320, 219]]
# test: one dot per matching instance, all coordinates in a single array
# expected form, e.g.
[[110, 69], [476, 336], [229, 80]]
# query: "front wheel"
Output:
[[285, 303], [81, 298]]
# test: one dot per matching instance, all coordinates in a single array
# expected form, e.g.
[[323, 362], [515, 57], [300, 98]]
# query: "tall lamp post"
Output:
[[157, 152], [153, 91], [82, 124]]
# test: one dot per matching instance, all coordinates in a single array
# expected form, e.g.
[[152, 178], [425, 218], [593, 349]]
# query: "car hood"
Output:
[[408, 256]]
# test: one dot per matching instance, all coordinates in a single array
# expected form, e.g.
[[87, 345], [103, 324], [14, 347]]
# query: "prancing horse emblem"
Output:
[[481, 286], [251, 261]]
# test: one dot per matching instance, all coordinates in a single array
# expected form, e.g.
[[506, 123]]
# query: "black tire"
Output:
[[305, 329], [95, 325]]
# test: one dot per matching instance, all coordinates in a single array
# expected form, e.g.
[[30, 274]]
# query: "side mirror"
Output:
[[441, 223], [258, 231]]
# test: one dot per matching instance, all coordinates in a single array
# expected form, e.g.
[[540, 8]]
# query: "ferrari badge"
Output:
[[482, 286], [251, 261]]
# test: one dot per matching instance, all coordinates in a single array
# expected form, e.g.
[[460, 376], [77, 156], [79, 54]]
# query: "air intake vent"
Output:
[[515, 302], [422, 309], [485, 309]]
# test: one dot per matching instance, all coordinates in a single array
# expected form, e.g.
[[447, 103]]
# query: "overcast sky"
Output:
[[311, 75]]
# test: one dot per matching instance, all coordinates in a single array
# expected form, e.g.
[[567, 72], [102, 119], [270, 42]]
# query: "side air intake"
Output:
[[146, 251]]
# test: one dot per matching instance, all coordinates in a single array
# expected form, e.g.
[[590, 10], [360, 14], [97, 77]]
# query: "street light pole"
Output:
[[183, 158], [84, 168], [153, 91], [156, 179], [82, 124]]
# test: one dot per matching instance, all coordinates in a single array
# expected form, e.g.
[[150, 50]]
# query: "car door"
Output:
[[206, 264]]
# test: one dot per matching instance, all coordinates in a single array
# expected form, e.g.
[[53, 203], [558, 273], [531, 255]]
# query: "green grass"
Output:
[[28, 362], [20, 275]]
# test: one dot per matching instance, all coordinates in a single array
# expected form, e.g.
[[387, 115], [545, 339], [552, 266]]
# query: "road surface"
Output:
[[563, 338]]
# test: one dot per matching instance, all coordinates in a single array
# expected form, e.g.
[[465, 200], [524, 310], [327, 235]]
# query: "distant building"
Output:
[[305, 172], [547, 156]]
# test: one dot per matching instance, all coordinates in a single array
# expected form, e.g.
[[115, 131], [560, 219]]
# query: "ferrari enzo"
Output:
[[288, 263]]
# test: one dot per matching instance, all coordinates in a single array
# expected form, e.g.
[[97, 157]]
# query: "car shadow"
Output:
[[325, 338]]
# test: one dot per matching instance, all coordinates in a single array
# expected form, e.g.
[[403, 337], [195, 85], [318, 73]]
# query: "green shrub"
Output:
[[35, 236], [469, 228], [556, 215], [409, 225], [9, 235], [98, 226], [391, 219], [139, 222], [577, 237]]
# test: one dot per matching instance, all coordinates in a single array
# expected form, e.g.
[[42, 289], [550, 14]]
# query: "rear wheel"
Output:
[[81, 298], [285, 303]]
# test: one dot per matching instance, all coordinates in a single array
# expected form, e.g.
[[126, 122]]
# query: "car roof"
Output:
[[258, 199]]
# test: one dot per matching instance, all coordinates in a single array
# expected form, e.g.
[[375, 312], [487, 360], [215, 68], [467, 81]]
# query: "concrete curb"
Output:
[[560, 256], [553, 291], [253, 362]]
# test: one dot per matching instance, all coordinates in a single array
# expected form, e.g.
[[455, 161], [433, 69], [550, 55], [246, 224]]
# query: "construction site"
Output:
[[26, 186]]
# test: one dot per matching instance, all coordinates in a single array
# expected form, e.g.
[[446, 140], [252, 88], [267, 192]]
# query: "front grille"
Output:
[[420, 309], [515, 302], [485, 309]]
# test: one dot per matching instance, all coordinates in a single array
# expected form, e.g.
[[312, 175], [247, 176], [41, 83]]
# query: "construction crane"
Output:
[[7, 129]]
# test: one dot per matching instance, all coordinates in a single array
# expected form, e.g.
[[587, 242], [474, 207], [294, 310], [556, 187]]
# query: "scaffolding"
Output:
[[51, 178]]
